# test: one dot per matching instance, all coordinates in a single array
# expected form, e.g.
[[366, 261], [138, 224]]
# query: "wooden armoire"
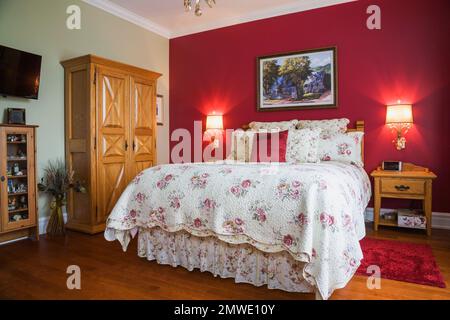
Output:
[[110, 124]]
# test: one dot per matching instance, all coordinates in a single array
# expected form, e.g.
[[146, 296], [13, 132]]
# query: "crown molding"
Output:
[[118, 11], [303, 5], [129, 16]]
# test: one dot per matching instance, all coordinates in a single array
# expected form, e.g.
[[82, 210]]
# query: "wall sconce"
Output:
[[214, 127], [399, 118]]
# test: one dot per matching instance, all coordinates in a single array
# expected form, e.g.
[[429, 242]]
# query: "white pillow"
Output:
[[329, 127], [342, 147], [303, 146], [241, 145], [280, 125]]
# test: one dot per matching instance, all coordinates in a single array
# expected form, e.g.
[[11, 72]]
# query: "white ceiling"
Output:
[[168, 18]]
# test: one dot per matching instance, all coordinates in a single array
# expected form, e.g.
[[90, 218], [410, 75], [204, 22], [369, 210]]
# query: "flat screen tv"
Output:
[[19, 73]]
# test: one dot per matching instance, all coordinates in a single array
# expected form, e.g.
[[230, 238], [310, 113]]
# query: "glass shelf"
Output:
[[17, 183], [17, 194], [17, 210]]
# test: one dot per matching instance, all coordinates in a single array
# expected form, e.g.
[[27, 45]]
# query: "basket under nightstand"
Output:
[[413, 182]]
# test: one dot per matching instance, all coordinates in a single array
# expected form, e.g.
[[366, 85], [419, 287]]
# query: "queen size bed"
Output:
[[290, 226]]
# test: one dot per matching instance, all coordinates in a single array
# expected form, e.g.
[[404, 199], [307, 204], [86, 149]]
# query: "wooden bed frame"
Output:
[[360, 127]]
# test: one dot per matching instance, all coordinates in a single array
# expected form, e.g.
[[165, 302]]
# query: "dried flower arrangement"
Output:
[[57, 181]]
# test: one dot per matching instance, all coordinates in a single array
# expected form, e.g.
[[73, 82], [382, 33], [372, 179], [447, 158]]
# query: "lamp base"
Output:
[[401, 129], [400, 143], [215, 142]]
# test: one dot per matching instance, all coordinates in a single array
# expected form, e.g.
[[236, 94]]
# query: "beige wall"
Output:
[[39, 26]]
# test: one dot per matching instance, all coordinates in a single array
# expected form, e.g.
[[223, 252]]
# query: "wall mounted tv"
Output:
[[19, 73]]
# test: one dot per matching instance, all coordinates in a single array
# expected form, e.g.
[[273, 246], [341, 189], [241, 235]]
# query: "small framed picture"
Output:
[[159, 110], [16, 116]]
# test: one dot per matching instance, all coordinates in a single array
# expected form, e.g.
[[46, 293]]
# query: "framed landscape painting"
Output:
[[298, 80]]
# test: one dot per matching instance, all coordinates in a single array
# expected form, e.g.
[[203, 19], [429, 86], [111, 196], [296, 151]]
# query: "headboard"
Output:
[[360, 127]]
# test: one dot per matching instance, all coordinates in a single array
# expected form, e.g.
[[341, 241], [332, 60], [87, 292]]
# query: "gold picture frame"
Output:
[[297, 80], [160, 110]]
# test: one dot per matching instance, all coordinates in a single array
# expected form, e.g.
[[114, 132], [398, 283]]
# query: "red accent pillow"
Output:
[[263, 139]]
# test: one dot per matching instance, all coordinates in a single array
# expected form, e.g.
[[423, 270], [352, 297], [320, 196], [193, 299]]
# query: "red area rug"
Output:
[[402, 261]]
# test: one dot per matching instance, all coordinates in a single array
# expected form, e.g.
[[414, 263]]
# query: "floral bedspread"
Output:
[[315, 212]]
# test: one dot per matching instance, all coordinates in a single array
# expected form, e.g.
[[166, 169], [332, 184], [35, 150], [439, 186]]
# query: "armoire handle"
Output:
[[126, 145], [134, 145], [3, 178]]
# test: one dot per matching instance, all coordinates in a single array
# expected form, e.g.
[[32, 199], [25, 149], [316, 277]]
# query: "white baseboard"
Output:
[[439, 220], [42, 228], [13, 240]]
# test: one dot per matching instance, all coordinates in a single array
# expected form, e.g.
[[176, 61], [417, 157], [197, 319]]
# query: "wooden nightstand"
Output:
[[413, 182]]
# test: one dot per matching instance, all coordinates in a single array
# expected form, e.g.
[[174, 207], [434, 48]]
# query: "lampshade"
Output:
[[214, 122], [399, 113]]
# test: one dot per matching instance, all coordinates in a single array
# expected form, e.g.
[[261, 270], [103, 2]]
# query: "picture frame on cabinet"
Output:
[[16, 116], [160, 110]]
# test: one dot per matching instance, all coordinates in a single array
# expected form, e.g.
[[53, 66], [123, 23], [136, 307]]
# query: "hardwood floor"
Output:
[[37, 270]]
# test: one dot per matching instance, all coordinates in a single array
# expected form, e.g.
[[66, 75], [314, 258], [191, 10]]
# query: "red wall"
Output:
[[408, 59]]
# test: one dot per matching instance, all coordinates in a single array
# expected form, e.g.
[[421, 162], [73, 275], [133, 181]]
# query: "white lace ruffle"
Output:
[[123, 236], [242, 262]]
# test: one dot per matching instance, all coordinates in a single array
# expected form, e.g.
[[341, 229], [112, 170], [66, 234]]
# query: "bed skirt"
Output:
[[242, 262]]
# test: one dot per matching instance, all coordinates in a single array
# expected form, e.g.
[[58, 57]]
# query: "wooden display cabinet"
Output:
[[18, 201]]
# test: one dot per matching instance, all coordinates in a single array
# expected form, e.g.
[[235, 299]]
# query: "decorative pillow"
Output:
[[303, 146], [263, 141], [342, 147], [281, 125], [241, 145], [329, 127]]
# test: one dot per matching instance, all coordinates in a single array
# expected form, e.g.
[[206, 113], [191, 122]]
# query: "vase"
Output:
[[55, 225]]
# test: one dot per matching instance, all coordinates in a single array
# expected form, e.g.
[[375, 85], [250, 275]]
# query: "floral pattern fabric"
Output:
[[329, 127], [242, 145], [342, 147], [280, 125], [303, 145], [314, 212], [240, 261]]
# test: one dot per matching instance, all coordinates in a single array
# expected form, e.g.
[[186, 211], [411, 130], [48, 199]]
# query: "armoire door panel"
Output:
[[142, 165], [113, 146], [113, 101], [142, 125], [143, 147], [112, 137], [142, 94], [78, 141], [112, 182]]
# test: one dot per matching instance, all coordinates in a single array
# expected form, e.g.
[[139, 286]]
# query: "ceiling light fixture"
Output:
[[198, 10]]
